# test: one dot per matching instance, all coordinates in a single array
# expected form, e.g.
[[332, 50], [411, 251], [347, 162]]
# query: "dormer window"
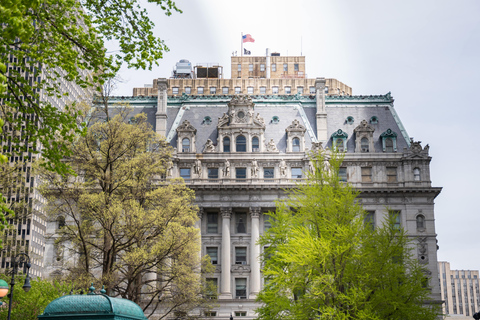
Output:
[[186, 145], [364, 137], [226, 144], [275, 119], [339, 140], [349, 120], [296, 145], [255, 144], [186, 137], [389, 141], [364, 145], [374, 120], [295, 137], [241, 144], [207, 120]]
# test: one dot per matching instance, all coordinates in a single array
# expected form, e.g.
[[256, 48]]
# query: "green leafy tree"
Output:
[[324, 261], [126, 227], [28, 305]]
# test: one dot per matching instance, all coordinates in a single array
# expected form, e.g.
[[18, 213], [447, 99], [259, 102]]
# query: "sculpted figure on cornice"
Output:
[[254, 169], [186, 126], [295, 126], [209, 147], [317, 146], [416, 150], [271, 146], [226, 169], [197, 167], [283, 168]]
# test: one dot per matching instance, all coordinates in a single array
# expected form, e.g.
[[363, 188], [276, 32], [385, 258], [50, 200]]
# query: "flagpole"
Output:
[[241, 50]]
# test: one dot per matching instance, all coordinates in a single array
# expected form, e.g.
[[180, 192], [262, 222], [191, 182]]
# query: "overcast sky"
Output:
[[427, 53]]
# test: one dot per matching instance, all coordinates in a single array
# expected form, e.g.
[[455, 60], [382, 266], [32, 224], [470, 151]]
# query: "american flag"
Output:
[[247, 38]]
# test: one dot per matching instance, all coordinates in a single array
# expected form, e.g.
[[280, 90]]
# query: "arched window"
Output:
[[364, 145], [241, 145], [255, 144], [186, 145], [388, 145], [339, 145], [296, 145], [226, 144], [416, 174], [60, 222], [420, 222]]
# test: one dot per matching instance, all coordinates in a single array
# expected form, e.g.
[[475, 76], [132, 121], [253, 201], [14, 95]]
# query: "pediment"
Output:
[[186, 127], [364, 126], [295, 127], [241, 114]]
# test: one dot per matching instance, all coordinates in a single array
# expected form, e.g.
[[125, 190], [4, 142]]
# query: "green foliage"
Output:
[[28, 305], [322, 262], [124, 223]]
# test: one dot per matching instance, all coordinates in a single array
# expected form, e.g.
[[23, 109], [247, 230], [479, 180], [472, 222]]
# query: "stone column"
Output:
[[225, 288], [321, 111], [255, 279], [161, 115]]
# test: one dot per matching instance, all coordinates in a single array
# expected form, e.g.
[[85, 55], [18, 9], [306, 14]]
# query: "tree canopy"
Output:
[[124, 226], [323, 260]]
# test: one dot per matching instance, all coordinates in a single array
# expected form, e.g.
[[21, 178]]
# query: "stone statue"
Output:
[[209, 147], [260, 119], [254, 169], [197, 168], [169, 168], [226, 169], [283, 168], [271, 147], [311, 167]]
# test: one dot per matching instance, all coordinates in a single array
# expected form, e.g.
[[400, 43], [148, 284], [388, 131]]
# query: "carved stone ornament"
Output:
[[295, 127], [200, 213], [416, 150], [364, 126], [271, 146], [255, 212], [186, 127], [226, 212], [317, 146], [209, 146], [240, 268]]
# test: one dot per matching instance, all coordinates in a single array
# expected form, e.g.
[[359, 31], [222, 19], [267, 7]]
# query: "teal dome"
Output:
[[96, 306]]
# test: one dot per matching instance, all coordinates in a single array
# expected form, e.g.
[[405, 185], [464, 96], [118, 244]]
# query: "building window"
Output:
[[420, 222], [239, 67], [238, 90], [212, 222], [339, 145], [296, 173], [364, 145], [295, 67], [225, 90], [300, 90], [388, 145], [212, 289], [250, 67], [200, 90], [255, 144], [268, 173], [342, 174], [275, 119], [212, 173], [275, 90], [175, 90], [213, 90], [274, 67], [389, 141], [240, 313], [263, 90], [185, 173], [250, 90], [395, 215], [366, 174], [241, 222], [241, 255], [188, 90], [213, 254], [339, 140], [267, 222], [240, 289], [374, 120], [186, 145], [416, 174], [207, 120], [241, 144], [60, 222], [296, 145], [288, 90], [210, 313], [285, 67], [312, 90], [369, 220], [226, 144], [391, 174], [262, 67], [350, 120], [241, 173]]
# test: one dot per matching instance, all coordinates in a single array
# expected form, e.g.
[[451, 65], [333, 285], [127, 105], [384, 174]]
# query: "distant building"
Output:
[[459, 290]]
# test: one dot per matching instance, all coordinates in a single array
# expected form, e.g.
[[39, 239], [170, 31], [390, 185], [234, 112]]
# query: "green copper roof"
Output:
[[92, 306]]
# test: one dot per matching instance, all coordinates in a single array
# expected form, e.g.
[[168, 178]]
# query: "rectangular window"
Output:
[[241, 222], [213, 253], [241, 173], [213, 90], [175, 90], [275, 90], [312, 90], [213, 173], [185, 173], [342, 174], [250, 67], [212, 289], [366, 174], [239, 67], [296, 173], [240, 255], [188, 90], [300, 90], [240, 289], [395, 215], [288, 90], [250, 90], [369, 220], [285, 67], [295, 67], [267, 222], [200, 90], [238, 90], [225, 90], [212, 222], [263, 90], [391, 174], [262, 67], [268, 173], [210, 313], [240, 313], [274, 67]]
